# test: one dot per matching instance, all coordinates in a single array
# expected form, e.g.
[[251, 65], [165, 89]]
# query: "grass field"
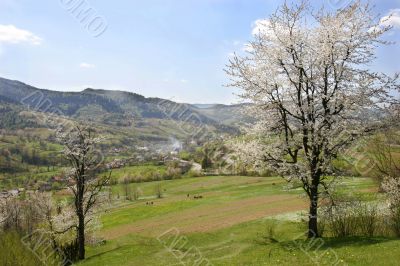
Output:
[[228, 226]]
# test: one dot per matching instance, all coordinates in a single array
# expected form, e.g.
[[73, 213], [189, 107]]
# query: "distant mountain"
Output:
[[225, 114], [204, 105], [119, 108]]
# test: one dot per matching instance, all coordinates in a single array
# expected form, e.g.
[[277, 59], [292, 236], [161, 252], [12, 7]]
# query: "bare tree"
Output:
[[382, 148], [80, 151], [159, 191], [18, 214], [12, 212], [137, 192], [3, 210], [127, 188], [307, 75]]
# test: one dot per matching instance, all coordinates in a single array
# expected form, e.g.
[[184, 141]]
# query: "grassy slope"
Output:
[[131, 229]]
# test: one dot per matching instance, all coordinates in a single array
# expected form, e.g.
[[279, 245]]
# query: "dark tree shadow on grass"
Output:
[[335, 242], [355, 241]]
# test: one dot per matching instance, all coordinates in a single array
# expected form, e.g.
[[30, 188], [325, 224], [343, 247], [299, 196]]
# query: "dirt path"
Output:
[[212, 217]]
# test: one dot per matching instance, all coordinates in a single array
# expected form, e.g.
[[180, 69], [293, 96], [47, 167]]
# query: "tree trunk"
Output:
[[81, 236], [312, 222]]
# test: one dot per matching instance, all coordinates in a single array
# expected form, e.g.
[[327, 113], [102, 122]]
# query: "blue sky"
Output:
[[173, 49]]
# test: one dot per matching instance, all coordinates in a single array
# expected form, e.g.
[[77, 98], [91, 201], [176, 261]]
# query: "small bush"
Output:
[[352, 218], [193, 173], [173, 173], [368, 218], [342, 221], [322, 224], [70, 251], [14, 252], [271, 233], [395, 220]]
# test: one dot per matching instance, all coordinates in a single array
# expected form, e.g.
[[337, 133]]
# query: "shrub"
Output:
[[173, 173], [271, 233], [352, 218], [137, 179], [322, 224], [137, 193], [193, 173], [342, 220], [267, 173], [395, 220], [14, 252], [70, 251], [368, 218], [184, 155], [157, 176]]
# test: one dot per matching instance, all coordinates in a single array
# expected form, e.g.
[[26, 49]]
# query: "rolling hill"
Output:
[[116, 107]]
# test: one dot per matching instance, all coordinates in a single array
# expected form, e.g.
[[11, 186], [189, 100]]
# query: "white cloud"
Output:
[[86, 65], [392, 18], [269, 31], [260, 26], [184, 81], [14, 35]]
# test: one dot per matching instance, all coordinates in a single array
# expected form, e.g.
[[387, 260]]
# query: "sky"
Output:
[[172, 49]]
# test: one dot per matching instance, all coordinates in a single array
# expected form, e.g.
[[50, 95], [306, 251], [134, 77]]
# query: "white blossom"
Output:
[[312, 94]]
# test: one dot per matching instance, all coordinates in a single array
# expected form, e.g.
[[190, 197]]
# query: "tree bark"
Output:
[[313, 222], [81, 215], [81, 236]]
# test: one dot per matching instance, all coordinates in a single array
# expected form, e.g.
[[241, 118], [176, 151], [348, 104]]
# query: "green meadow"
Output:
[[237, 221]]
